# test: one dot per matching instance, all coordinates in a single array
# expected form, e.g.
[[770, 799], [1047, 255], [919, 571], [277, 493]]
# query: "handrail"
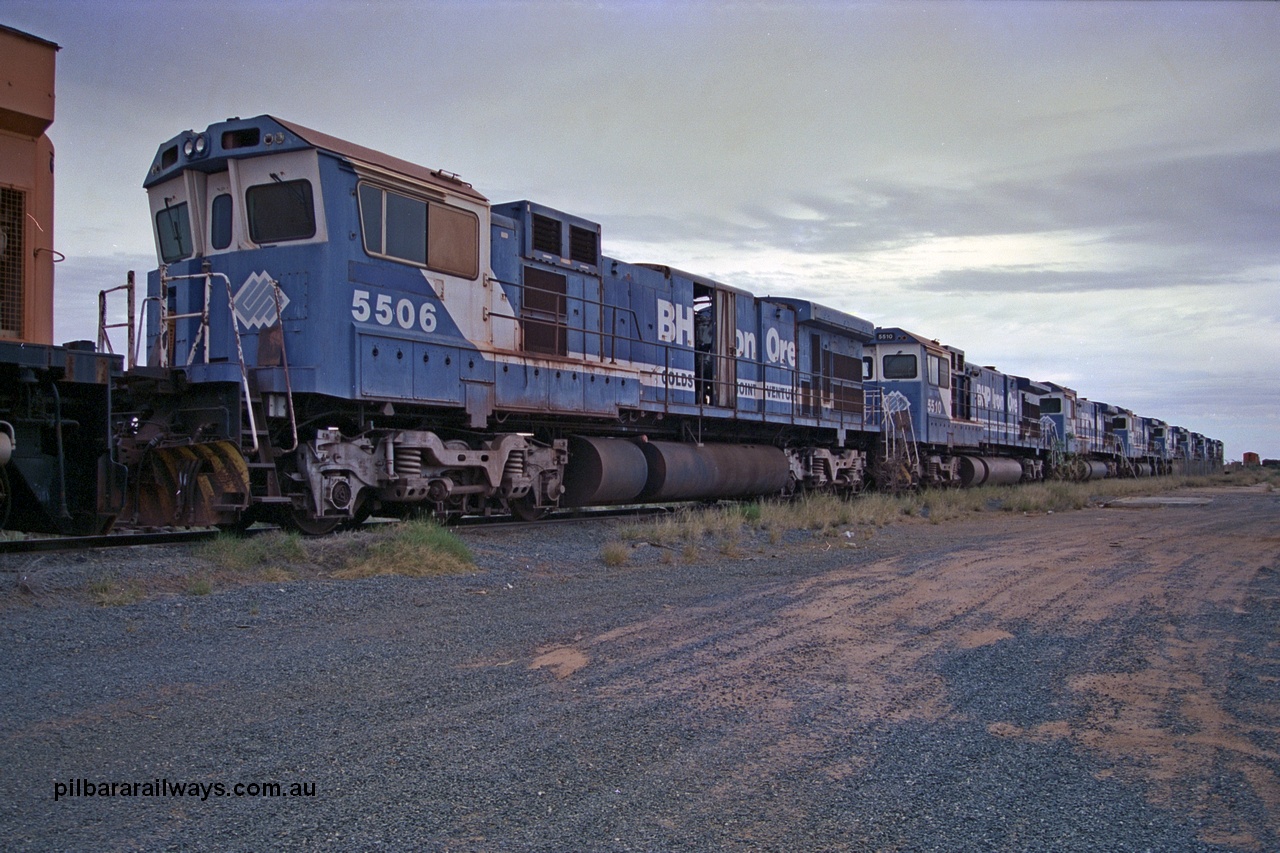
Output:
[[284, 362], [203, 334], [104, 340]]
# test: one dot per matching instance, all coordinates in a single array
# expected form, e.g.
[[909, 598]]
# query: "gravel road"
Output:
[[1107, 679]]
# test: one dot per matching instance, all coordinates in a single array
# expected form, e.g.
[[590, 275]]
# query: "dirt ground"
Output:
[[1179, 702], [1101, 679]]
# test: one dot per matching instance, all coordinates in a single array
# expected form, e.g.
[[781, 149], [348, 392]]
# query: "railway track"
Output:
[[110, 540], [183, 537]]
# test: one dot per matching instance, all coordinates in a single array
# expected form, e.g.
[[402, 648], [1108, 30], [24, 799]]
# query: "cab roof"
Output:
[[267, 134]]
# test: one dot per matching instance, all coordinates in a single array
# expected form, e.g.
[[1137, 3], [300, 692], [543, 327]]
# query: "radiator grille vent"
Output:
[[583, 246], [13, 255], [543, 315], [546, 234]]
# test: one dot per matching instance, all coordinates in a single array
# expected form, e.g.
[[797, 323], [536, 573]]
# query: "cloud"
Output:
[[1065, 190]]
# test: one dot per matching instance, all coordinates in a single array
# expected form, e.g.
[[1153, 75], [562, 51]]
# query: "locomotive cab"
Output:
[[914, 375]]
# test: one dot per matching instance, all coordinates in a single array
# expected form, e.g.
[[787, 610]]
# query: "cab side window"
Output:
[[423, 233]]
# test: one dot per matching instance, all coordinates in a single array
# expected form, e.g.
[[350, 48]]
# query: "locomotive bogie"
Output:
[[404, 467], [820, 468]]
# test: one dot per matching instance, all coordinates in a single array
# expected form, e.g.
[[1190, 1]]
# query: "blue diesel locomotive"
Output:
[[333, 331]]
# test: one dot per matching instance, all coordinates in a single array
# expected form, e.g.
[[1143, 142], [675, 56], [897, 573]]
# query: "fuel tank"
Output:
[[1093, 470], [603, 471], [989, 471], [696, 472]]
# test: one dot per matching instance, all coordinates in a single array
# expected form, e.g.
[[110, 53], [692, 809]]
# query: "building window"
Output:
[[900, 367], [281, 211], [418, 232]]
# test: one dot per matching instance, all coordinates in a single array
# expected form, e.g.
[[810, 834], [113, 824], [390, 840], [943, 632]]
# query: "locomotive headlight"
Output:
[[195, 146]]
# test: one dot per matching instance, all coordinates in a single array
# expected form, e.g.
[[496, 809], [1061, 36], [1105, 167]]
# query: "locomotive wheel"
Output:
[[307, 525], [361, 515], [6, 496], [524, 509]]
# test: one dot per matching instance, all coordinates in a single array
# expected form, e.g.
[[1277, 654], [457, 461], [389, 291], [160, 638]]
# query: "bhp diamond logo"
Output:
[[256, 302]]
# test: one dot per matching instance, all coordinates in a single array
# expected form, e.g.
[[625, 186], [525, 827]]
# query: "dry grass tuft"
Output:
[[725, 528], [413, 549], [614, 554], [199, 585], [106, 591], [946, 504]]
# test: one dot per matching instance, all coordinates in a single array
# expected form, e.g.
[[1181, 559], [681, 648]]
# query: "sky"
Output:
[[1087, 193]]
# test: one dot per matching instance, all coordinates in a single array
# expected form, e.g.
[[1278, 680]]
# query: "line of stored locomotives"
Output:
[[333, 332]]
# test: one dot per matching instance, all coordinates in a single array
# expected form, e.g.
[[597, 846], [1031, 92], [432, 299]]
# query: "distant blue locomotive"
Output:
[[333, 331]]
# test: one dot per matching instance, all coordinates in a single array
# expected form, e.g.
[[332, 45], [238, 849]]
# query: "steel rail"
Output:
[[478, 524]]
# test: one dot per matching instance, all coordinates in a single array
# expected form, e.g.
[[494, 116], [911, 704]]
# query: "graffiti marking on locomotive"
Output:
[[384, 310], [675, 323], [255, 301]]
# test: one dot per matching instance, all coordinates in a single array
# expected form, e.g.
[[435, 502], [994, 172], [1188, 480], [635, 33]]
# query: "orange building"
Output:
[[26, 187]]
